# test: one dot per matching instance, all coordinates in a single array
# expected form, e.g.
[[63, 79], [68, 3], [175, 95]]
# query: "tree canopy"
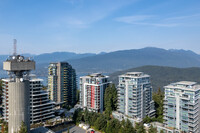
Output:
[[110, 99], [23, 128], [158, 98]]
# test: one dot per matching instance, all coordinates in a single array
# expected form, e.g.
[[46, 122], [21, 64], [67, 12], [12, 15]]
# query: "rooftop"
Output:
[[95, 75], [134, 74], [185, 85], [189, 83], [41, 130], [18, 63]]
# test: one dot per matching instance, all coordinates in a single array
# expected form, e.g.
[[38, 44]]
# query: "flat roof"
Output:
[[41, 130], [36, 79], [134, 75], [95, 75], [190, 83], [184, 85]]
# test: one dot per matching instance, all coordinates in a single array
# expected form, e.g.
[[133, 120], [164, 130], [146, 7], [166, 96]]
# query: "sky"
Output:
[[93, 26]]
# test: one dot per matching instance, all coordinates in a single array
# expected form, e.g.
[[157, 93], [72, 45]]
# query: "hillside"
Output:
[[125, 59], [59, 56], [116, 61], [161, 76], [43, 60]]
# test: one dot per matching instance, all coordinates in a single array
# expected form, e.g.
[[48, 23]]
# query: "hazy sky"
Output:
[[42, 26]]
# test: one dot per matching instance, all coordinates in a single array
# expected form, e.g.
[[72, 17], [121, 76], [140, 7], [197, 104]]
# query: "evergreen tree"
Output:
[[147, 119], [77, 117], [93, 118], [113, 126], [86, 116], [127, 127], [23, 128], [101, 123], [140, 128], [159, 99], [110, 100], [152, 129]]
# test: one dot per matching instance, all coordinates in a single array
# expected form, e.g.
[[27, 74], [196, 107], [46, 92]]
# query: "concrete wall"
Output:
[[19, 105], [17, 66]]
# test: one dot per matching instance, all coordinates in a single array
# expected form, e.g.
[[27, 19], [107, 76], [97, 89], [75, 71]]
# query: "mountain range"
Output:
[[117, 60]]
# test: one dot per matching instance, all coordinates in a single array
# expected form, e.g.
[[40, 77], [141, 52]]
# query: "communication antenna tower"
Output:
[[15, 47]]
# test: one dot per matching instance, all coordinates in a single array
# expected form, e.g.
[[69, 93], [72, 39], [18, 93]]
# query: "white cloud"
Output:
[[159, 24], [144, 20], [133, 19], [83, 15], [160, 21], [183, 17]]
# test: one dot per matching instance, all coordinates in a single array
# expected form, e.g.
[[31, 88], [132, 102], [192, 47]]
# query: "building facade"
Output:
[[135, 95], [62, 83], [92, 89], [18, 90], [182, 106], [41, 108]]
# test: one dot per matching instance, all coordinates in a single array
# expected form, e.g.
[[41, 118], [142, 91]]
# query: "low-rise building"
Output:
[[122, 117], [161, 127]]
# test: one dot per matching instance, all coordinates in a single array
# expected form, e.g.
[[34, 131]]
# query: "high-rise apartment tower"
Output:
[[92, 89], [182, 106], [62, 83], [135, 95]]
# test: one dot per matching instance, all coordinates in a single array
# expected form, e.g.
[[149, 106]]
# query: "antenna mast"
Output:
[[15, 47]]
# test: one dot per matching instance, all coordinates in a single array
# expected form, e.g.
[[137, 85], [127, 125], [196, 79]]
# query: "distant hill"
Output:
[[117, 60], [125, 59], [43, 60], [59, 56], [162, 76]]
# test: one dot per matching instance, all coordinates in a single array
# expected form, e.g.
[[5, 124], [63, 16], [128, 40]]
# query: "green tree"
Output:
[[93, 117], [140, 128], [68, 130], [77, 117], [161, 131], [127, 127], [147, 120], [152, 129], [110, 99], [113, 126], [158, 98], [23, 128], [101, 123], [122, 130], [86, 116]]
